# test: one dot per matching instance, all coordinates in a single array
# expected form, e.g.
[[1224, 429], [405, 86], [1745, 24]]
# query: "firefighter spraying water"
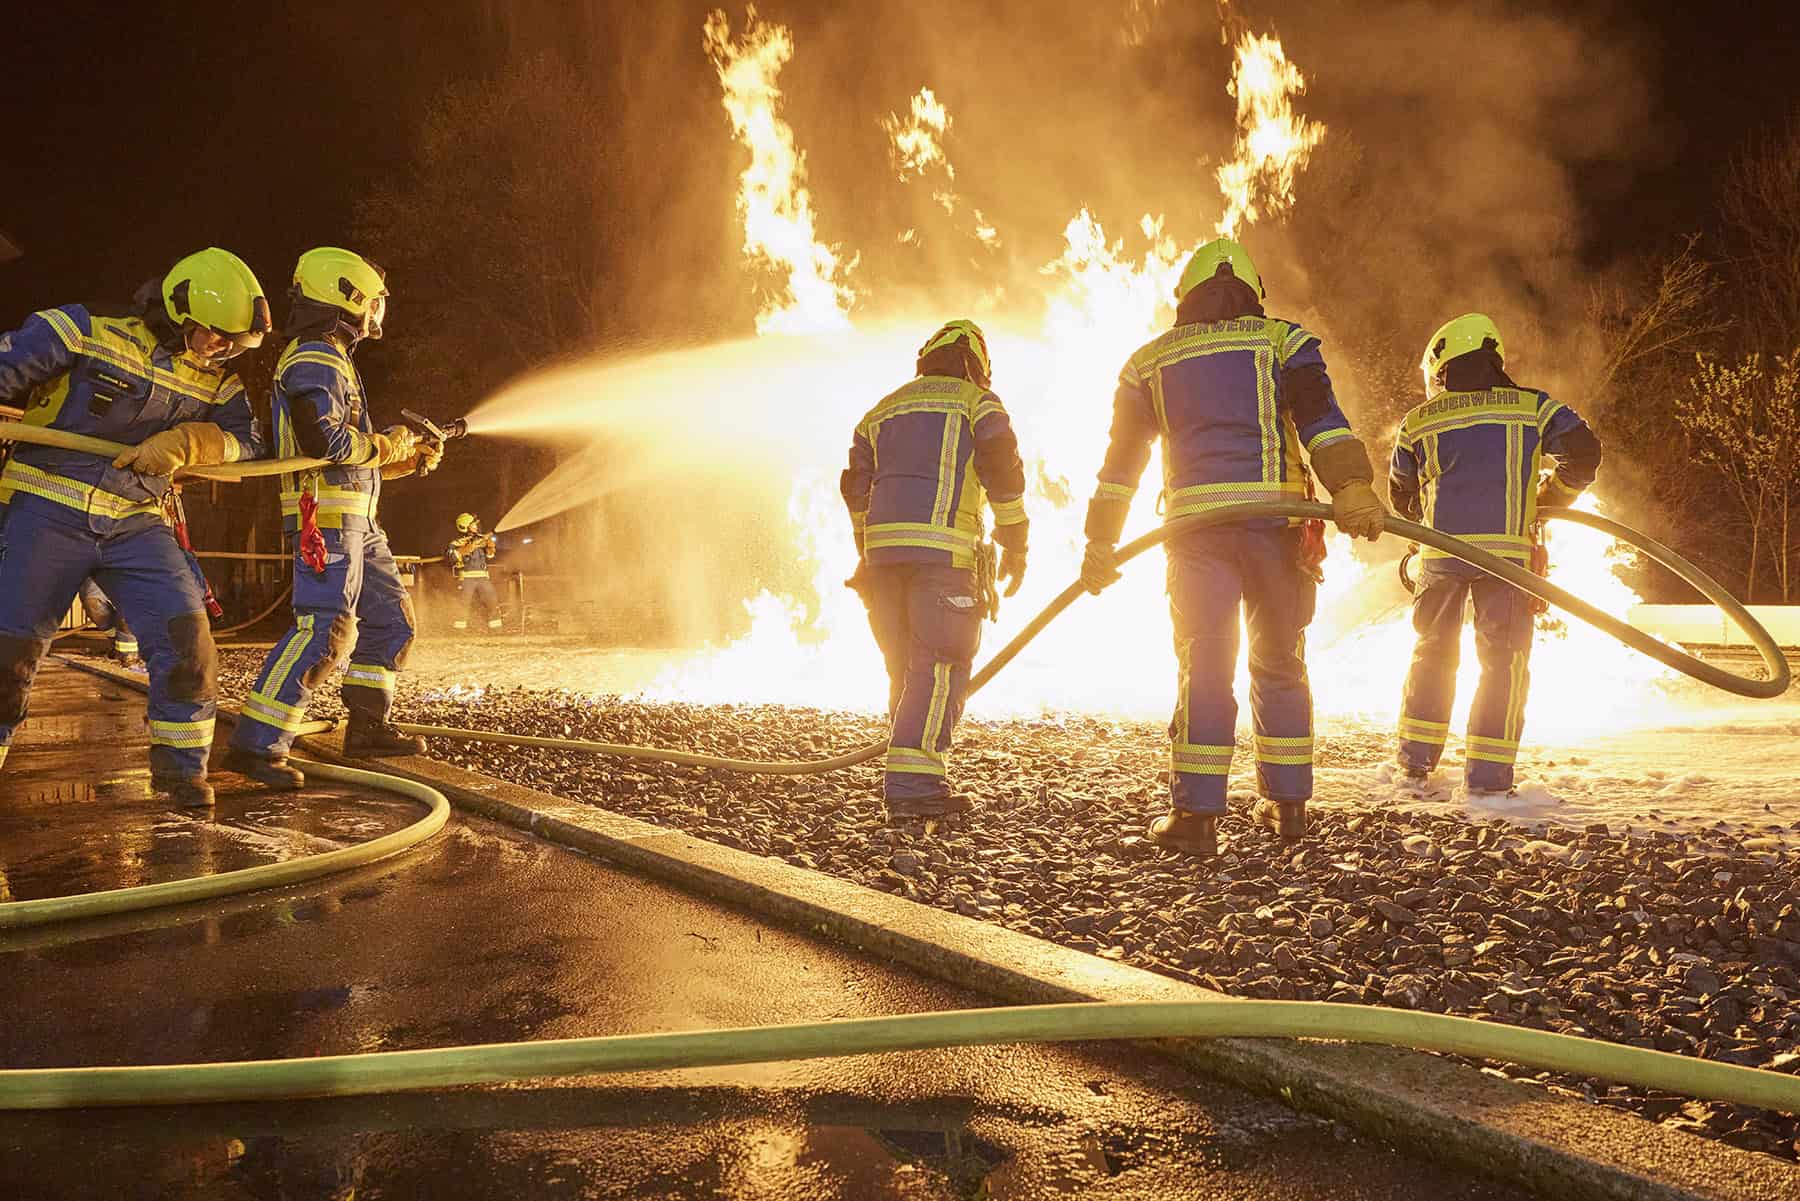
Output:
[[349, 604]]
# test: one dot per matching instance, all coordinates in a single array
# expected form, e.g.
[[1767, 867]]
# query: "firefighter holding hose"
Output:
[[349, 603], [470, 554], [1233, 395], [154, 376], [924, 462], [1467, 462]]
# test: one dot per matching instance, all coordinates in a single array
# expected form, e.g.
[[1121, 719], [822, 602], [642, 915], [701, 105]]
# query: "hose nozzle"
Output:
[[459, 428]]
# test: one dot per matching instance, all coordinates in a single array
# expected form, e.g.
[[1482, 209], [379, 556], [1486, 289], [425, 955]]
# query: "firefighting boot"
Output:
[[1194, 834], [367, 736], [1286, 818], [185, 791], [272, 771], [904, 809]]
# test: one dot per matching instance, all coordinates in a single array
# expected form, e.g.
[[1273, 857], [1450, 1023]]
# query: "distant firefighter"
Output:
[[924, 463], [470, 553], [349, 602], [154, 377], [1466, 462], [1233, 396], [105, 617]]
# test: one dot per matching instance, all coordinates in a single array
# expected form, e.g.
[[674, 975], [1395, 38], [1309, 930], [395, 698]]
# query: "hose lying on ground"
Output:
[[273, 605], [496, 1063], [39, 435], [1519, 577], [19, 914]]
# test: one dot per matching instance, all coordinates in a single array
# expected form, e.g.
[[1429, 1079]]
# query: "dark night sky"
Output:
[[138, 133], [135, 134]]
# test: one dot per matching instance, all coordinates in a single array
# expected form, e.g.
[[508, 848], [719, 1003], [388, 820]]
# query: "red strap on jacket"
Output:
[[312, 543]]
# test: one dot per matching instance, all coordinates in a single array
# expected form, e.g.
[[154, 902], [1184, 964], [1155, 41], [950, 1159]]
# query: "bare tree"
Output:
[[1643, 319], [1761, 206], [1745, 421], [497, 237]]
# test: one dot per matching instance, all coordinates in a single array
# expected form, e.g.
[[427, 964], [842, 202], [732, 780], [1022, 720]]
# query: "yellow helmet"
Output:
[[216, 289], [1458, 336], [966, 333], [345, 280], [1207, 260], [465, 522]]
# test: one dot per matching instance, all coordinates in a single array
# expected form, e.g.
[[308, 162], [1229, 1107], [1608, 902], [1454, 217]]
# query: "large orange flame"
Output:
[[773, 199]]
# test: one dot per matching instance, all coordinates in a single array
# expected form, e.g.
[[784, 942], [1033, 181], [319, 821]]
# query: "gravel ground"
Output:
[[1687, 943]]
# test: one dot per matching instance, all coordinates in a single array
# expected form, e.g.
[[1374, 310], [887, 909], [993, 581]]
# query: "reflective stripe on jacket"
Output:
[[469, 556], [1232, 402], [320, 412], [109, 377], [924, 462], [1467, 463]]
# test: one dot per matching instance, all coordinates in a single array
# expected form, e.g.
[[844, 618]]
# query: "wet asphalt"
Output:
[[485, 935]]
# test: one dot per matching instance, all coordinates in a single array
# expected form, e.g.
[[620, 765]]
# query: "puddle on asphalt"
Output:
[[738, 1157]]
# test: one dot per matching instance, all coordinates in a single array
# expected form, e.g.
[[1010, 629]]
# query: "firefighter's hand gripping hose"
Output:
[[1774, 685], [38, 435]]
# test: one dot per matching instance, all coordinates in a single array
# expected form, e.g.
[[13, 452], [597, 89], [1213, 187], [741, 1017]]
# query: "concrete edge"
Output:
[[1425, 1103]]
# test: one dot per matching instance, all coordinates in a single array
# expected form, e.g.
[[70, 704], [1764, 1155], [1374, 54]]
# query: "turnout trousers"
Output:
[[46, 551], [927, 621], [356, 610], [1503, 627], [1212, 574], [103, 615], [481, 603]]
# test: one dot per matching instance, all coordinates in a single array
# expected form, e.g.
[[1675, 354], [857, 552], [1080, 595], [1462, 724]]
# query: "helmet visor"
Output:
[[247, 339]]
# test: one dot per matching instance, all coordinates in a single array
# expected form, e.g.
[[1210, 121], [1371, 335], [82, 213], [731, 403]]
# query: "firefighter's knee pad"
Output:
[[195, 676], [19, 658], [340, 637]]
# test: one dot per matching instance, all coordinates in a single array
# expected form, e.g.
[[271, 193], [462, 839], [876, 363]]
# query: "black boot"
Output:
[[1190, 833], [1286, 818], [902, 809], [370, 737], [184, 791], [272, 771]]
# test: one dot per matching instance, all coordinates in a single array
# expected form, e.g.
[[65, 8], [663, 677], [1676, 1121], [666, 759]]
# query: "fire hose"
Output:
[[40, 435], [1778, 672], [390, 1071]]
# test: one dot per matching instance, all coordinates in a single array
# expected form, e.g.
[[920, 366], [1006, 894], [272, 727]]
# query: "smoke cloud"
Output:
[[1449, 179]]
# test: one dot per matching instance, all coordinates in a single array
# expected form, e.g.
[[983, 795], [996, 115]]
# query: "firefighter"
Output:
[[349, 603], [1467, 462], [923, 463], [104, 616], [470, 553], [156, 377], [1234, 396]]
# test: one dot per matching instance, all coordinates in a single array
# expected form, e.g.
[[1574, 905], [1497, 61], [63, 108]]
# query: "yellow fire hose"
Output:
[[499, 1063], [1779, 674], [16, 915], [347, 1075], [39, 435]]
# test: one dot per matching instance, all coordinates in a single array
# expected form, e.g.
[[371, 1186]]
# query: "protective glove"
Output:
[[1552, 495], [1012, 568], [395, 444], [1099, 566], [424, 460], [190, 444], [1357, 510], [858, 578]]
